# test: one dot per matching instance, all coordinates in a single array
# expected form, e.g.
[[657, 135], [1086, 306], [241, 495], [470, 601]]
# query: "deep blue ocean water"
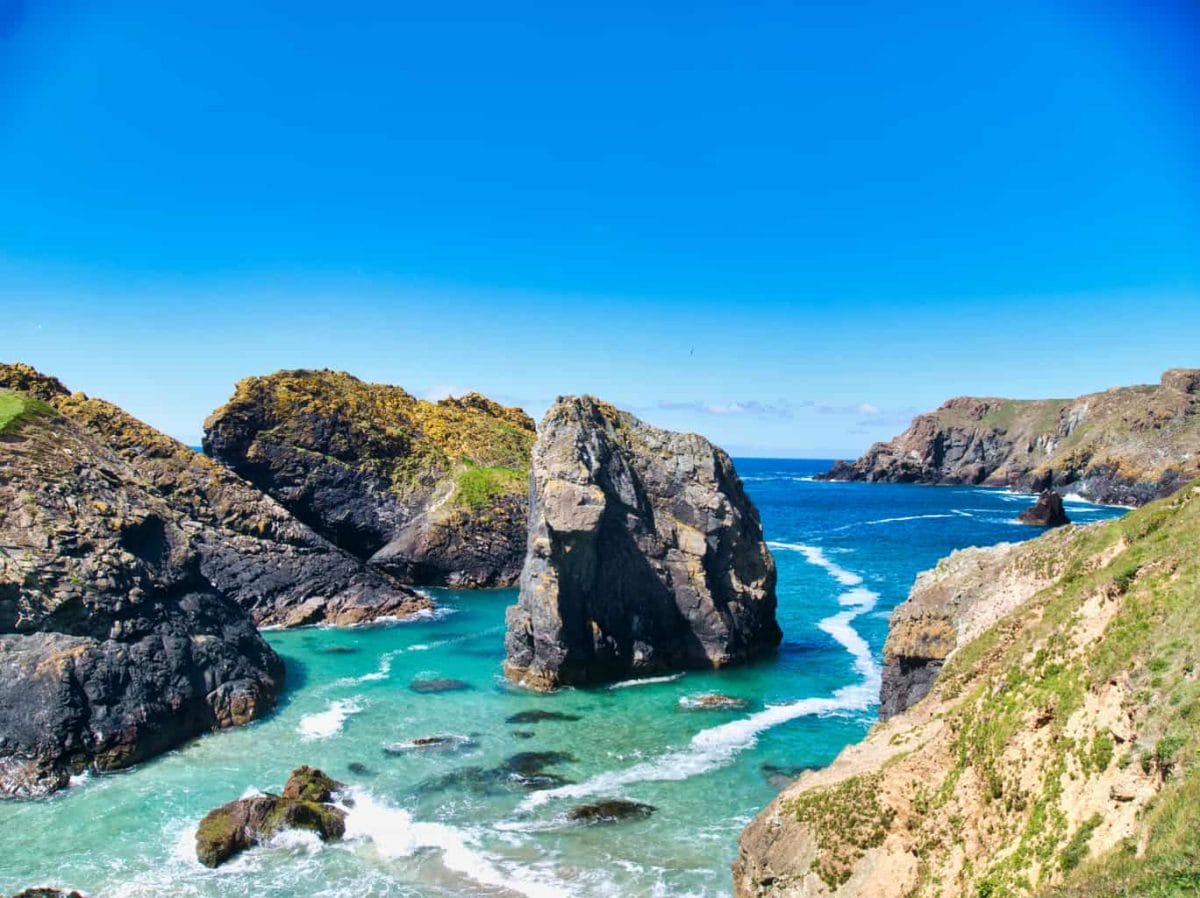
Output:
[[455, 821]]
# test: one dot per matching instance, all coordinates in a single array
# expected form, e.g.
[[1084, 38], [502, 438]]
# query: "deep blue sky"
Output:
[[787, 226]]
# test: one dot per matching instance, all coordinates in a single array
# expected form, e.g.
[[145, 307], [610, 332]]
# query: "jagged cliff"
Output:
[[431, 492], [1127, 445], [249, 547], [645, 554], [1056, 752], [114, 644]]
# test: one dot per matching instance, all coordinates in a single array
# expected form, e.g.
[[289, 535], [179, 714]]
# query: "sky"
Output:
[[787, 226]]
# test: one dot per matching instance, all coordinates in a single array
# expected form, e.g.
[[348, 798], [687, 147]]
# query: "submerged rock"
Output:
[[537, 715], [526, 771], [306, 803], [611, 810], [712, 701], [440, 743], [431, 492], [359, 769], [440, 684], [1048, 511], [645, 554]]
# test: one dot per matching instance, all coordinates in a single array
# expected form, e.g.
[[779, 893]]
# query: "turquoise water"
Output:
[[455, 820]]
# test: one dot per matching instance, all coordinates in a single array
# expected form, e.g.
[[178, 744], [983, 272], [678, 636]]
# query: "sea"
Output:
[[486, 810]]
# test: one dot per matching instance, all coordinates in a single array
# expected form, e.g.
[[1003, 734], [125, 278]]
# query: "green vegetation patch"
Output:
[[847, 820], [479, 487], [15, 407]]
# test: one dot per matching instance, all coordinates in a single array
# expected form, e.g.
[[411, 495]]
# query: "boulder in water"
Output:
[[306, 803], [610, 810], [1048, 511]]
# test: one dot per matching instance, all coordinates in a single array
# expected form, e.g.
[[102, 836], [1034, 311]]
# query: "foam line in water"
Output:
[[716, 746], [816, 555], [395, 834], [645, 681], [323, 724]]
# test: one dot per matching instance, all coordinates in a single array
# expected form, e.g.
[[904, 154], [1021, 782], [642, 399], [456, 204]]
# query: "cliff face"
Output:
[[432, 493], [249, 547], [1127, 445], [645, 554], [114, 644], [1056, 752]]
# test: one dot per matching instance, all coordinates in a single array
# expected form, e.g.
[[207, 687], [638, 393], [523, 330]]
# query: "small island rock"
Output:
[[1048, 511]]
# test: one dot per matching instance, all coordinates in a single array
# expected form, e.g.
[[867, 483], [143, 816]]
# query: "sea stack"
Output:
[[1048, 511], [645, 554]]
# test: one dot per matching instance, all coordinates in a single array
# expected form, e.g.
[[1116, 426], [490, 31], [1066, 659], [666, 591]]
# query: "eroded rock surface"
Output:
[[248, 546], [431, 492], [645, 554], [1126, 445], [114, 642]]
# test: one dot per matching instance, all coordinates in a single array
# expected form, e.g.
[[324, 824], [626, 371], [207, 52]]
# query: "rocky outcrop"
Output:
[[1055, 754], [1047, 511], [1126, 445], [430, 492], [950, 605], [248, 546], [307, 803], [114, 642], [645, 554]]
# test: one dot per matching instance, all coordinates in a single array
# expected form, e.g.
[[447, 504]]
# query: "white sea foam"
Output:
[[329, 722], [816, 555], [395, 834], [717, 746], [645, 681]]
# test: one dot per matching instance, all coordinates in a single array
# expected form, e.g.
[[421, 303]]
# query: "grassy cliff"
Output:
[[1058, 753]]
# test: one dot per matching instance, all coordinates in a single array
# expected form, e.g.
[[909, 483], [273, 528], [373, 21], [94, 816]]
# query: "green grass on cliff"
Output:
[[1153, 643], [15, 407], [478, 487]]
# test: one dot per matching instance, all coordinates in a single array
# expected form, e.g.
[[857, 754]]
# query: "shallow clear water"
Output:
[[430, 822]]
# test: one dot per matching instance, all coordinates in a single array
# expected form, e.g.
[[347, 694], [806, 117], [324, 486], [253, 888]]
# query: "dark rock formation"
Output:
[[1126, 445], [46, 893], [306, 803], [611, 810], [115, 644], [1047, 511], [433, 493], [539, 716], [247, 546], [645, 554], [440, 684]]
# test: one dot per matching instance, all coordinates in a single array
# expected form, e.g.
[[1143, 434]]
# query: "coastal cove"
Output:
[[484, 813]]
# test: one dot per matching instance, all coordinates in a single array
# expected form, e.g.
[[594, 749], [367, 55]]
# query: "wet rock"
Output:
[[306, 804], [430, 492], [441, 684], [713, 701], [612, 810], [1048, 511], [537, 715], [46, 893], [645, 555], [781, 777], [435, 743]]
